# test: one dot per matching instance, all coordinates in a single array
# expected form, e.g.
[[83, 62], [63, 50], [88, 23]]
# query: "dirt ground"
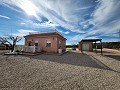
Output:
[[70, 71]]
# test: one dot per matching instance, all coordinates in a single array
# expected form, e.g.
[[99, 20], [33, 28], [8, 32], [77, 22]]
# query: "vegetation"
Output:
[[71, 47], [111, 45], [10, 41]]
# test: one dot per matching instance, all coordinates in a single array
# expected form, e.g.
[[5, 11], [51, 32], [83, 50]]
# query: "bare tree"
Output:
[[11, 40]]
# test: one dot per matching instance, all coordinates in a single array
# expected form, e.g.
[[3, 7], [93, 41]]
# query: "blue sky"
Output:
[[75, 19]]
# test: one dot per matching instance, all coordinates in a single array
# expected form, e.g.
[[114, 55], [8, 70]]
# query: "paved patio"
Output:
[[71, 71]]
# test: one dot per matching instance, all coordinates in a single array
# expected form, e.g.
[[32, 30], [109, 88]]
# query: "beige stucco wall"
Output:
[[42, 42], [90, 45]]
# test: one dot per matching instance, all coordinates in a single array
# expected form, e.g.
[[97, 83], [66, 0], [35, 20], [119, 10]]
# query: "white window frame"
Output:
[[60, 42], [36, 42], [46, 43]]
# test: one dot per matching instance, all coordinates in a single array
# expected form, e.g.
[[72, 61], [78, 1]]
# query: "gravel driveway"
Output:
[[72, 58], [71, 71]]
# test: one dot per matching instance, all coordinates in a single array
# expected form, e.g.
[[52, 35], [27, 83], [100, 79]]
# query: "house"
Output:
[[48, 42], [87, 44], [4, 47]]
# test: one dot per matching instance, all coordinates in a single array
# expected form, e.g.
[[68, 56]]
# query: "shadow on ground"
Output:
[[72, 58], [104, 52], [111, 55], [117, 57]]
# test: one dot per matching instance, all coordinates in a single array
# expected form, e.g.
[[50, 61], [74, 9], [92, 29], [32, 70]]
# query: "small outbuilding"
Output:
[[87, 44]]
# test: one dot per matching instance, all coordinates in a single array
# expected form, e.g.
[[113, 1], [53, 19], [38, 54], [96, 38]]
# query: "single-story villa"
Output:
[[87, 44], [48, 42]]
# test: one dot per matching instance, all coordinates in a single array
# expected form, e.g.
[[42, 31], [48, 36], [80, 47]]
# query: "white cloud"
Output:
[[67, 32], [47, 24], [106, 30], [63, 32], [106, 18], [106, 11], [62, 12], [23, 23], [77, 38], [23, 32], [72, 15], [110, 40], [1, 16], [9, 6]]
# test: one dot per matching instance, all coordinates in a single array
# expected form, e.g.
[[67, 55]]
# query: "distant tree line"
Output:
[[72, 46], [111, 45]]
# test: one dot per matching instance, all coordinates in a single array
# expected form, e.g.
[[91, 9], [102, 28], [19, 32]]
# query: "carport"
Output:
[[86, 44]]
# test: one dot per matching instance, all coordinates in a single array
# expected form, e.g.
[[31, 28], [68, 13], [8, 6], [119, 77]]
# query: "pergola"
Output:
[[93, 40]]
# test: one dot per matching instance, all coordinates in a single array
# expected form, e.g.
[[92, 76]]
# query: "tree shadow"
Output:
[[72, 58]]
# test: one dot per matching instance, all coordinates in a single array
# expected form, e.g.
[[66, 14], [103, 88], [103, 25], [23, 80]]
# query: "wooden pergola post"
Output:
[[81, 47], [101, 46], [95, 47]]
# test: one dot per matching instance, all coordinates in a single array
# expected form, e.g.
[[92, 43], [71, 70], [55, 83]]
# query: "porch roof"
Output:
[[90, 40]]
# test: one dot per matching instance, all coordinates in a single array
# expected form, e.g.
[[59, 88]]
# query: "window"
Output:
[[60, 42], [48, 43], [36, 44], [29, 43]]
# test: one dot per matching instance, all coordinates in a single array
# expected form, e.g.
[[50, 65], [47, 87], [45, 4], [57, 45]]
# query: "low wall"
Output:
[[31, 49]]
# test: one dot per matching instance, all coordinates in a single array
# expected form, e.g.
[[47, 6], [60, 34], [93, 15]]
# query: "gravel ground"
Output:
[[41, 73], [111, 53], [109, 58]]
